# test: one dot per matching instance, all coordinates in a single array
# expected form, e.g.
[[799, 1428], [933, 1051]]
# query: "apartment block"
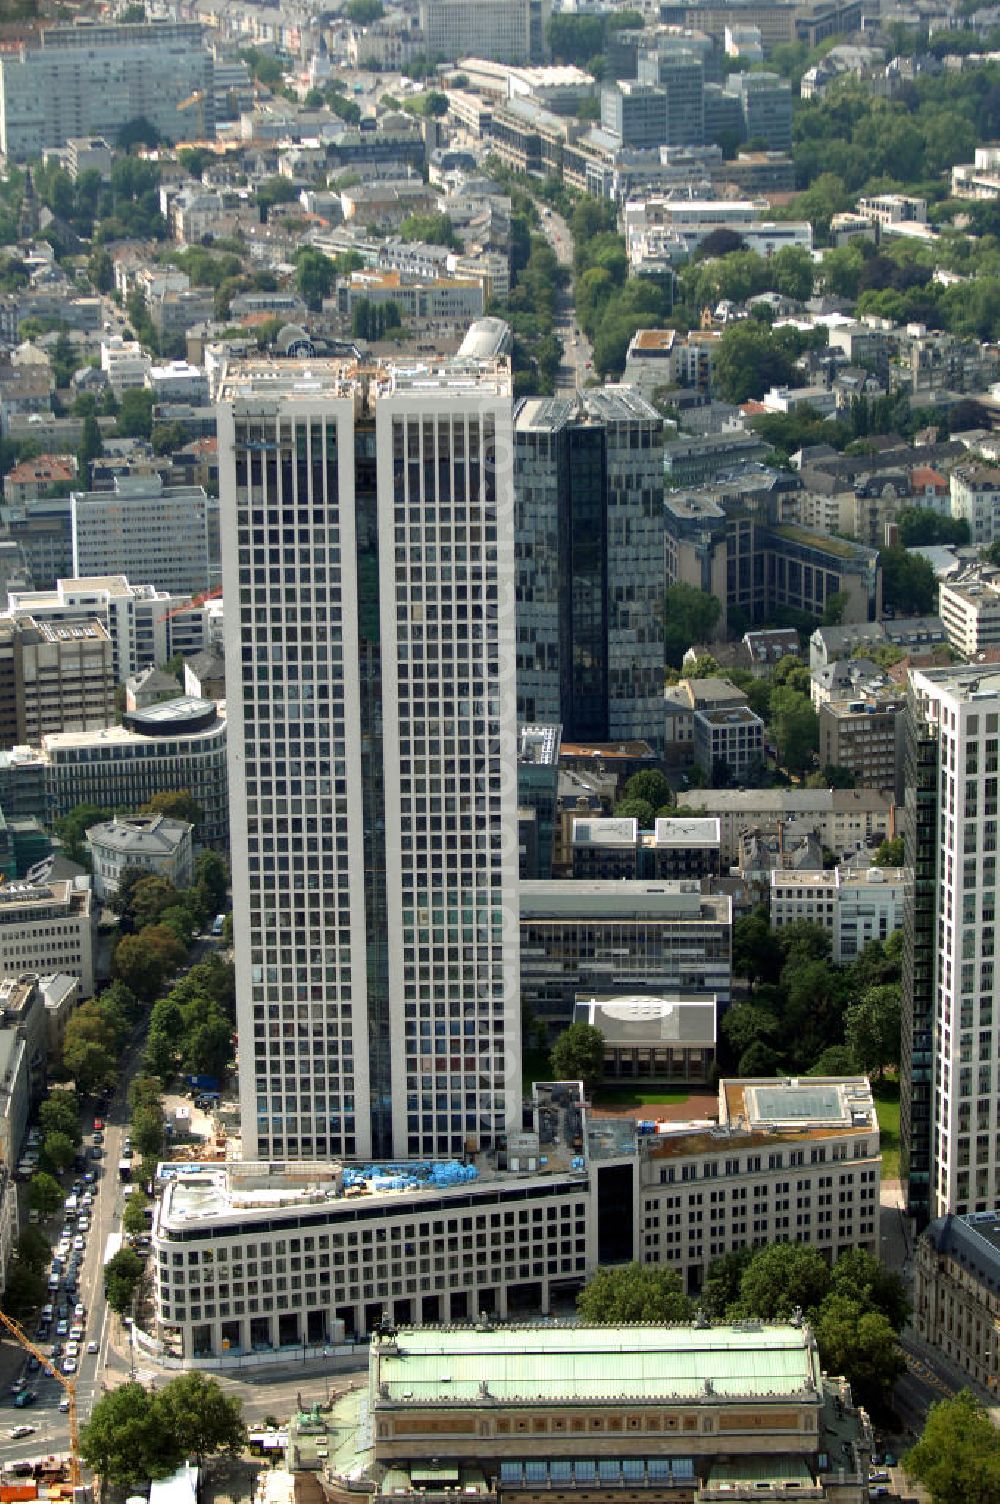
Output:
[[969, 607], [731, 739], [866, 737], [580, 937], [855, 906], [975, 498], [845, 820]]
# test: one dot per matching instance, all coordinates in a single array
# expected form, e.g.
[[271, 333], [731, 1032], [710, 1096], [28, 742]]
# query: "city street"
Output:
[[578, 357]]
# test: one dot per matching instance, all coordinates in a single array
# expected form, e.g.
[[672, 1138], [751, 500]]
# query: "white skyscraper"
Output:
[[950, 1032], [368, 555]]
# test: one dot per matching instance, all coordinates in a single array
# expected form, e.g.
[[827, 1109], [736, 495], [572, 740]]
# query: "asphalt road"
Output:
[[578, 357]]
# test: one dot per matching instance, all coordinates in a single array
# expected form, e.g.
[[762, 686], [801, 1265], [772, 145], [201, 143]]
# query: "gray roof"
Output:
[[974, 1241], [208, 664], [140, 835], [640, 1020]]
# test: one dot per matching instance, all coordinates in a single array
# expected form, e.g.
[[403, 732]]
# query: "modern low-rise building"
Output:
[[159, 846], [613, 846], [580, 937], [854, 905], [177, 744], [731, 739], [47, 927], [653, 1038]]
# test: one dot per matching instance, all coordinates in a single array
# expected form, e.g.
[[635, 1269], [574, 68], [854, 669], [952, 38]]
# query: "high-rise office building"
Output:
[[681, 76], [168, 535], [90, 80], [949, 1084], [369, 555], [590, 530]]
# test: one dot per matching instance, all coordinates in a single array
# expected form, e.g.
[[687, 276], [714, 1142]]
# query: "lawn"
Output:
[[634, 1096], [887, 1106]]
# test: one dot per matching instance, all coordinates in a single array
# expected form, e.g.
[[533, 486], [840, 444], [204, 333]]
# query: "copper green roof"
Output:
[[553, 1363]]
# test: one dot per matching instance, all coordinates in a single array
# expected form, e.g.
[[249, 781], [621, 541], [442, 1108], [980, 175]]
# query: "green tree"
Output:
[[781, 1277], [578, 1055], [34, 1249], [836, 1060], [722, 1282], [873, 1026], [60, 1113], [432, 229], [750, 360], [744, 1024], [758, 1059], [45, 1195], [147, 1131], [862, 1345], [124, 1441], [138, 132], [636, 809], [689, 616], [72, 828], [958, 1456], [135, 414], [24, 1290], [890, 853], [859, 1275], [122, 1274], [315, 275], [58, 1150], [909, 584], [364, 12], [757, 951], [633, 1292], [134, 1223], [144, 961], [211, 876], [794, 727], [200, 1418], [176, 804], [920, 526], [651, 785]]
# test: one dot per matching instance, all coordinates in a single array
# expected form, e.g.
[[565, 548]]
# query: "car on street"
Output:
[[24, 1399], [79, 1243], [62, 1328], [64, 1404], [93, 1347], [72, 1349], [16, 1432], [79, 1311], [76, 1332], [98, 1124], [69, 1365]]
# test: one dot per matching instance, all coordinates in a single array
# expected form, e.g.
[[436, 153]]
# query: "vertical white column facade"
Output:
[[368, 550]]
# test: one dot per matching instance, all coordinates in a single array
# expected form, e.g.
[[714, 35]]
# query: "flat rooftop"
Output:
[[687, 830], [557, 1364], [648, 1021], [773, 1111], [309, 381], [608, 830]]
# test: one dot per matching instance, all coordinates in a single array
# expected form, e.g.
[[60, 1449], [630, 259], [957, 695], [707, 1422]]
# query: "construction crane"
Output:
[[18, 1334], [197, 98], [201, 599]]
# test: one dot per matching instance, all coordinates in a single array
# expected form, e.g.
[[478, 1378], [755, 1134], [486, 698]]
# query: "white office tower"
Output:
[[368, 555], [960, 709]]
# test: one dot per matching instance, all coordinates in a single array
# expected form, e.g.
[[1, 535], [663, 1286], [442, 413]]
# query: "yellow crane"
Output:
[[19, 1335]]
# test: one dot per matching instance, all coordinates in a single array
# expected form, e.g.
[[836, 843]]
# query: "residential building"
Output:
[[889, 210], [845, 820], [88, 154], [975, 498], [580, 938], [47, 927], [146, 626], [666, 1439], [659, 231], [175, 745], [90, 79], [854, 905], [956, 1293], [846, 679], [505, 31], [969, 606], [159, 846], [865, 736], [653, 1038], [34, 478], [588, 476], [949, 999], [53, 678], [168, 535], [733, 739], [911, 634], [125, 363], [401, 864]]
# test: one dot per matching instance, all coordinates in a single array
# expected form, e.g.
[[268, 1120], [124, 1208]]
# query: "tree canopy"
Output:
[[578, 1055], [958, 1456], [633, 1292], [135, 1434]]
